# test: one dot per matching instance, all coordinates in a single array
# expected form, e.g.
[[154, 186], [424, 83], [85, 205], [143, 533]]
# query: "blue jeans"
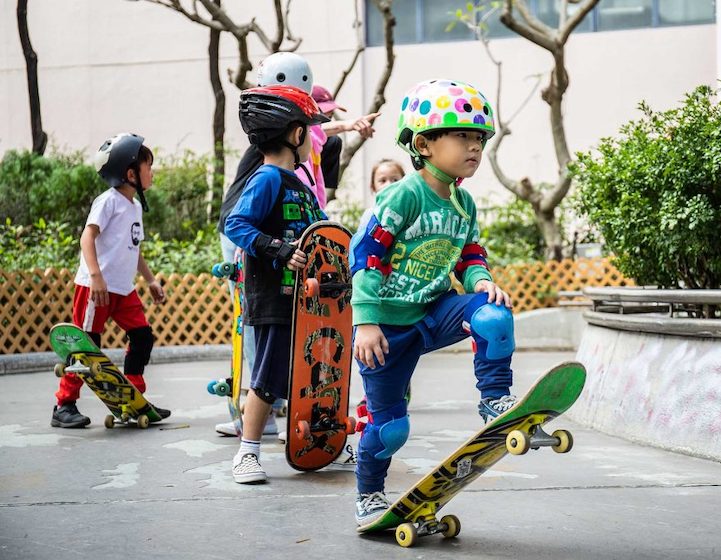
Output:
[[386, 386]]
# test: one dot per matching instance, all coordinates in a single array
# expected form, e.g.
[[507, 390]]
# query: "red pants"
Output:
[[126, 311]]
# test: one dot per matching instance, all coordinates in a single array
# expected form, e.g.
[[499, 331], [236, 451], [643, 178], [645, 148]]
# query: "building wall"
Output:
[[135, 66]]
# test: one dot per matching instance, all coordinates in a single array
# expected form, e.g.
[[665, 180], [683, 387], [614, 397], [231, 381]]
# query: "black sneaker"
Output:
[[164, 413], [67, 416]]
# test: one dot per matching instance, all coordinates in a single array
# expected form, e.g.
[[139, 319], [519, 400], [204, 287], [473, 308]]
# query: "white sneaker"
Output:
[[369, 507], [226, 429], [282, 436], [247, 469], [346, 461]]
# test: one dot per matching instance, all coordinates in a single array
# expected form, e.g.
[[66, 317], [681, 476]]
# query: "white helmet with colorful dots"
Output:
[[442, 105]]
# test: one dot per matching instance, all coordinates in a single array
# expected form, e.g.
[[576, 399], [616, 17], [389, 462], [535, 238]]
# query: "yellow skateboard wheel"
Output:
[[406, 535], [453, 526], [565, 441], [518, 442], [143, 421]]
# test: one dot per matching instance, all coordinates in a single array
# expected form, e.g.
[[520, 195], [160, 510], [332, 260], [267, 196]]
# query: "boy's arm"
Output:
[[371, 249], [98, 287], [472, 268], [156, 290], [255, 203], [362, 125]]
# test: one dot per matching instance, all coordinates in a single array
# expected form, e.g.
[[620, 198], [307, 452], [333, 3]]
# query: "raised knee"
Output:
[[491, 327]]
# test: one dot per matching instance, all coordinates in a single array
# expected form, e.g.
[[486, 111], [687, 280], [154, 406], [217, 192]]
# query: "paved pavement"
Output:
[[167, 492]]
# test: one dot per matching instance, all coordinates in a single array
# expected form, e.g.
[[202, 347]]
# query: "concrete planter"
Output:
[[659, 388]]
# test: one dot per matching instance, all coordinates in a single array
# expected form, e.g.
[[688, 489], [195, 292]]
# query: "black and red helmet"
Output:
[[266, 112]]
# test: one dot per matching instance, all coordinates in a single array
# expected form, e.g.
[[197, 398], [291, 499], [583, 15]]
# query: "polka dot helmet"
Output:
[[442, 105]]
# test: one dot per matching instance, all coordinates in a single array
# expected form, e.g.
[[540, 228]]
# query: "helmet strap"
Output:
[[296, 157], [138, 187], [452, 183]]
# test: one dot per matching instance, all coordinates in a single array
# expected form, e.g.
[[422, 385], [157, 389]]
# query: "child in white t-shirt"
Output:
[[109, 260]]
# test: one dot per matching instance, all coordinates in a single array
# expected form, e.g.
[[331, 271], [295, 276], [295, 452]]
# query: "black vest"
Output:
[[269, 286]]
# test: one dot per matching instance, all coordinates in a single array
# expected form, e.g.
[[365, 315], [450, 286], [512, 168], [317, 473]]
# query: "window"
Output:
[[624, 14], [673, 12], [425, 21]]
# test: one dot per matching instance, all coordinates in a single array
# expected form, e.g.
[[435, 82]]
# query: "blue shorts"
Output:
[[272, 360]]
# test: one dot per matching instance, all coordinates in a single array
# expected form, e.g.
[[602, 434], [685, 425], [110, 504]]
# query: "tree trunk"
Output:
[[40, 139], [216, 194], [551, 233]]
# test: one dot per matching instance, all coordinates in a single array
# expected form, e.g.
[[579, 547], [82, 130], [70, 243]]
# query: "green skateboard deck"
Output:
[[515, 431], [82, 357]]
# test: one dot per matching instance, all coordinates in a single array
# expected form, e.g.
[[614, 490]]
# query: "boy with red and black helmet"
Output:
[[272, 212], [109, 260]]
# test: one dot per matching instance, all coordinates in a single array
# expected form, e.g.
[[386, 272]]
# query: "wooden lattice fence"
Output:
[[198, 309]]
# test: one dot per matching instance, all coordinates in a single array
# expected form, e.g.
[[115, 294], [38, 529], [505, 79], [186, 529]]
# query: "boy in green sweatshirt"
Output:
[[423, 228]]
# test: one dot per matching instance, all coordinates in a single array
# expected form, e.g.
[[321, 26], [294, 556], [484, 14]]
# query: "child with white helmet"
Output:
[[422, 229]]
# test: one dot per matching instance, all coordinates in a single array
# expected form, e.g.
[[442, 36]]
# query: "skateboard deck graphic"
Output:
[[231, 386], [82, 357], [515, 431], [321, 350]]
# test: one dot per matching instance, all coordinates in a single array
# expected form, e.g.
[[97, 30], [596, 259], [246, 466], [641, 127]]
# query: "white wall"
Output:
[[112, 65]]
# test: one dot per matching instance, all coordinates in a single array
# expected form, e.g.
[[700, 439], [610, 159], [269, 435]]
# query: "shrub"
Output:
[[654, 192], [509, 233]]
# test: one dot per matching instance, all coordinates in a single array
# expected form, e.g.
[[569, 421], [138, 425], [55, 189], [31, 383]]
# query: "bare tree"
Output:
[[218, 180], [40, 138], [212, 15], [516, 16]]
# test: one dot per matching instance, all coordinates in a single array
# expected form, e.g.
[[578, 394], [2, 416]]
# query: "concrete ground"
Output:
[[168, 493]]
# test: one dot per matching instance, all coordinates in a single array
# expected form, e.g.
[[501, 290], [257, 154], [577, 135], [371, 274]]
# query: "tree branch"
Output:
[[40, 138], [533, 35], [360, 47], [573, 22]]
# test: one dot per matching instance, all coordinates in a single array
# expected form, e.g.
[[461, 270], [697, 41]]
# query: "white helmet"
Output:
[[285, 69]]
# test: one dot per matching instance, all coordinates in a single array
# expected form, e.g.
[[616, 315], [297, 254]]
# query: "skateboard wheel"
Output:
[[518, 442], [350, 423], [222, 389], [565, 441], [221, 270], [312, 288], [96, 368], [406, 535], [143, 421], [109, 421], [302, 429], [453, 526], [59, 370], [211, 387]]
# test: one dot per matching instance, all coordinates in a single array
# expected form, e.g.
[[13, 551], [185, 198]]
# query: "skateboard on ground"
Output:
[[321, 350], [231, 386], [82, 357], [515, 431]]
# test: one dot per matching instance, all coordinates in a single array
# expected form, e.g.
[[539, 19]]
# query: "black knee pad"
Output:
[[264, 396], [139, 348], [95, 337]]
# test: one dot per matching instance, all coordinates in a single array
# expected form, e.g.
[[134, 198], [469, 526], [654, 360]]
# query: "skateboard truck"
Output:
[[77, 367], [407, 534], [519, 442]]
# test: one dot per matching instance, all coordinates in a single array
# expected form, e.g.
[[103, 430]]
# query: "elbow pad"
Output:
[[274, 249]]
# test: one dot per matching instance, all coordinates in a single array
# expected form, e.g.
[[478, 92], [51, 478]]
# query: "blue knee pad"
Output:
[[491, 327], [388, 432]]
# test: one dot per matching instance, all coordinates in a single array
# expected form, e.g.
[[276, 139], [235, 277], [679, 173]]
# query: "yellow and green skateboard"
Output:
[[515, 431], [82, 357]]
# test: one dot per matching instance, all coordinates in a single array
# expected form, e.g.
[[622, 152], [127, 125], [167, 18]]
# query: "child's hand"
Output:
[[363, 125], [370, 342], [99, 290], [298, 260], [156, 290], [495, 294]]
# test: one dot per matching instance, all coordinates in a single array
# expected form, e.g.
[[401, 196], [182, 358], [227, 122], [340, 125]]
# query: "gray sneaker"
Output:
[[490, 408], [247, 469], [68, 416], [369, 507]]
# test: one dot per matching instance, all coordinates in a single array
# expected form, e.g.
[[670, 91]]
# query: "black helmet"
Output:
[[266, 112], [116, 156]]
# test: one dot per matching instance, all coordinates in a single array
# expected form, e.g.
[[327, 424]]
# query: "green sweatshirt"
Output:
[[429, 235]]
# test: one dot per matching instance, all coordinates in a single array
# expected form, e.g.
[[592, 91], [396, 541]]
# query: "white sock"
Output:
[[248, 446]]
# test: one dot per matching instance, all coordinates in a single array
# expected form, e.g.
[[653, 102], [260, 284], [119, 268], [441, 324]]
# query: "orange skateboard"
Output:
[[321, 350]]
